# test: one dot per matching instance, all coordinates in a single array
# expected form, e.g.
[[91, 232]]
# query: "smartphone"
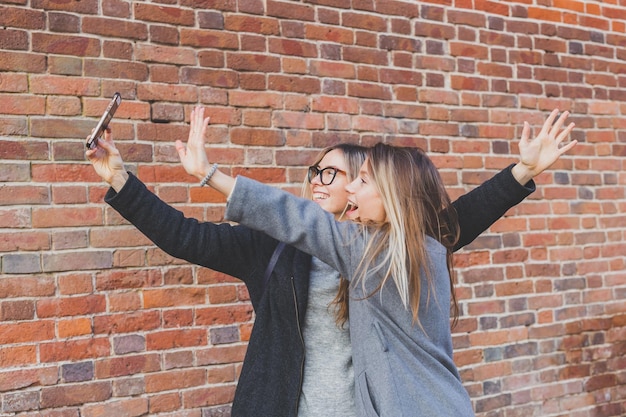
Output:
[[92, 142]]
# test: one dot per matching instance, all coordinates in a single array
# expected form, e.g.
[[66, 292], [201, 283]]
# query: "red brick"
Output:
[[22, 62], [71, 306], [208, 39], [126, 323], [164, 14], [22, 18], [223, 294], [26, 332], [78, 394], [290, 10], [164, 402], [74, 327], [175, 380], [168, 297], [178, 318], [176, 338], [255, 24], [133, 407], [65, 44], [107, 368], [74, 350], [11, 380], [17, 356], [223, 315], [123, 28]]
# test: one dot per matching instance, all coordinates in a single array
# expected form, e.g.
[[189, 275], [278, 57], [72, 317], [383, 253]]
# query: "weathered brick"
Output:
[[21, 401], [77, 372], [17, 310], [11, 380], [125, 387], [208, 39], [127, 365], [26, 332], [165, 381], [18, 356], [77, 394], [203, 398], [21, 263], [57, 262], [169, 339], [126, 323], [65, 44], [128, 344], [20, 150], [164, 402], [22, 62], [119, 28], [71, 306]]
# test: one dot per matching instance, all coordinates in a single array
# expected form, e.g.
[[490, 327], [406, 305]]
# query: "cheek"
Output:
[[338, 193]]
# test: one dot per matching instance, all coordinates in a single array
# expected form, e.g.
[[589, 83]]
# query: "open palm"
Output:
[[545, 149]]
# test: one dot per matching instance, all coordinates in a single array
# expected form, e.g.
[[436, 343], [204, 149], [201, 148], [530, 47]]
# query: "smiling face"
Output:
[[332, 197], [365, 201]]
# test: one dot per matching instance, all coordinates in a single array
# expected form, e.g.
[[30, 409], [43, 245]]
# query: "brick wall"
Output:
[[96, 321]]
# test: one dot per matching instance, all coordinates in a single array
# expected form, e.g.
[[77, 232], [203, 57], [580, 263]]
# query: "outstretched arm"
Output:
[[483, 206]]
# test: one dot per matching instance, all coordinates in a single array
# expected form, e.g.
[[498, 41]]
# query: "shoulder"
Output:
[[434, 247]]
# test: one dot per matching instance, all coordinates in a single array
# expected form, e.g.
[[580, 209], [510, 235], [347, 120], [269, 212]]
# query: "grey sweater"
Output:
[[400, 368]]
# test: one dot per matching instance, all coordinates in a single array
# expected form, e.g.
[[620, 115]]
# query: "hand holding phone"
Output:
[[92, 142]]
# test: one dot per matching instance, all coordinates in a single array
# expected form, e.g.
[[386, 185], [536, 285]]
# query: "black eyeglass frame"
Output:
[[313, 171]]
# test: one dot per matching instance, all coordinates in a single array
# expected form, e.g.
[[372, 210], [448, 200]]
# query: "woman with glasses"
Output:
[[298, 361]]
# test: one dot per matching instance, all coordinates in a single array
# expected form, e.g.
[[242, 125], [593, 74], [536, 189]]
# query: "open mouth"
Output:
[[351, 207]]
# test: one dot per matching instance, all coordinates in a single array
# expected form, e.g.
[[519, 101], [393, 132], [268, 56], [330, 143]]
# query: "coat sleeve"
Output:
[[481, 207], [233, 250], [296, 221]]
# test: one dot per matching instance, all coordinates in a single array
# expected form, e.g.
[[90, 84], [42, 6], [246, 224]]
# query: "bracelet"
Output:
[[206, 179]]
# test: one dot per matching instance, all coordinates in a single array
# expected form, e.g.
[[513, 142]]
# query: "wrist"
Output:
[[522, 173], [118, 180], [209, 174]]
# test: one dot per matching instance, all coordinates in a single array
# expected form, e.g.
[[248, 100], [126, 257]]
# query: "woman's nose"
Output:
[[350, 186], [317, 180]]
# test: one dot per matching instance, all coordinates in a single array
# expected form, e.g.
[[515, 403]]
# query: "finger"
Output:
[[196, 125], [525, 133], [559, 123], [205, 126], [181, 149], [565, 133], [549, 121], [567, 147], [106, 141]]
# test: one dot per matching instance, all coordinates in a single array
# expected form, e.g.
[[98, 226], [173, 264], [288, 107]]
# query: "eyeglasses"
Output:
[[327, 175]]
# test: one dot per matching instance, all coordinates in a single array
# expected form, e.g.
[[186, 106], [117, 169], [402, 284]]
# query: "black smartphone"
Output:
[[92, 142]]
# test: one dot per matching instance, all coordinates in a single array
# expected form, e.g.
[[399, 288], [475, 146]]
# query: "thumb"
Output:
[[525, 133], [181, 149]]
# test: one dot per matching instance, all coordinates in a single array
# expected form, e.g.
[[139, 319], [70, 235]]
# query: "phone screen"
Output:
[[92, 142]]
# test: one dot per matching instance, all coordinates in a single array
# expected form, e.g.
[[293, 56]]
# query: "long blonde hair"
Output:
[[416, 205]]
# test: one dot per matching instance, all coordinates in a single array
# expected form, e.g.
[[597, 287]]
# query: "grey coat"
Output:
[[400, 368]]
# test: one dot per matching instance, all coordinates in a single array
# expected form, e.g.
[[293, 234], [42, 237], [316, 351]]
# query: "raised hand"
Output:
[[540, 153], [193, 154], [107, 161]]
